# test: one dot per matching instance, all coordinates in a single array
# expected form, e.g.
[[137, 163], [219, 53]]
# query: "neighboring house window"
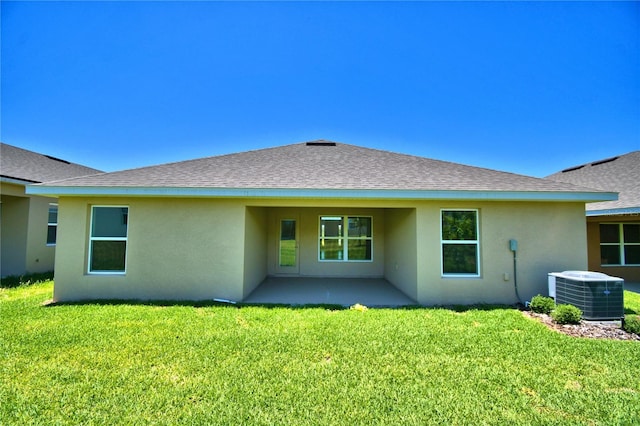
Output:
[[108, 239], [620, 244], [52, 225], [460, 243], [346, 238]]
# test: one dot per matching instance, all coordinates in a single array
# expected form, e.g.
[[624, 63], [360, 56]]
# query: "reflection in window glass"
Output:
[[460, 258], [460, 243], [610, 255], [632, 255], [108, 239], [52, 224], [351, 243], [631, 233], [609, 233], [620, 244]]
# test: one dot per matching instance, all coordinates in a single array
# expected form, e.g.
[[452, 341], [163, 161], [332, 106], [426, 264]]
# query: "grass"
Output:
[[116, 363], [18, 280], [631, 303]]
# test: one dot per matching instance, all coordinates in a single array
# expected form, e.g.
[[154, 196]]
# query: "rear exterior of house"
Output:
[[216, 228], [613, 227], [28, 223]]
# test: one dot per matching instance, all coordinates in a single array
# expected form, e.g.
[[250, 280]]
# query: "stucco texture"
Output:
[[207, 248], [23, 227]]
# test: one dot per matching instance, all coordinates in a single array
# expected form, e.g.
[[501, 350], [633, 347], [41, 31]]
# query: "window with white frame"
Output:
[[52, 224], [620, 244], [346, 239], [108, 239], [460, 243]]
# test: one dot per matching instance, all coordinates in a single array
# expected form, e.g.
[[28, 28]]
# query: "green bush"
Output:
[[631, 324], [542, 304], [566, 314]]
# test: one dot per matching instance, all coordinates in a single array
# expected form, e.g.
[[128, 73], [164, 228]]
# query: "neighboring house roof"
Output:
[[620, 174], [22, 166], [321, 169]]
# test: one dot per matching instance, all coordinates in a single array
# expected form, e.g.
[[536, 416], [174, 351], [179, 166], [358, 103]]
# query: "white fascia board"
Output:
[[633, 211], [372, 194], [16, 181]]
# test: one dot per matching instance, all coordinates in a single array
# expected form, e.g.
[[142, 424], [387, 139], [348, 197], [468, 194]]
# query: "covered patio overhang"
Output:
[[370, 292]]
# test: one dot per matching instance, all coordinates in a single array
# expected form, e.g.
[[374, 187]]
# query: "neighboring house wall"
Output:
[[628, 273], [198, 249], [23, 227]]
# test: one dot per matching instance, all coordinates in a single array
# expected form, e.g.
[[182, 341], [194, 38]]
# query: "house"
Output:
[[613, 227], [217, 227], [28, 222]]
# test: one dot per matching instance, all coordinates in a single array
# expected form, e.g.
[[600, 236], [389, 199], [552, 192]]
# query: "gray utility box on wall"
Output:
[[599, 296]]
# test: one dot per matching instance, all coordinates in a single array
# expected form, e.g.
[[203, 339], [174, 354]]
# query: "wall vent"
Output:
[[321, 143]]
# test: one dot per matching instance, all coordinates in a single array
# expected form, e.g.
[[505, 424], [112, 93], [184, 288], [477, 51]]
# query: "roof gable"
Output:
[[31, 167]]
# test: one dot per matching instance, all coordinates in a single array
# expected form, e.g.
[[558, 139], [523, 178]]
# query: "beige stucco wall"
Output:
[[255, 253], [177, 249], [401, 261], [630, 274], [15, 214], [194, 249], [551, 237], [23, 232]]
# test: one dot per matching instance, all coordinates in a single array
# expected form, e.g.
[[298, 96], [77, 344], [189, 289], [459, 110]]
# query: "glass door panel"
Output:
[[288, 246]]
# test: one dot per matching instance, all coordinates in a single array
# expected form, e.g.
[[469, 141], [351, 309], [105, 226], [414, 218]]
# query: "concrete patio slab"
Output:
[[335, 291]]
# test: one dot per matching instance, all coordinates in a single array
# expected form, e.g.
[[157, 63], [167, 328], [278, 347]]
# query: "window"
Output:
[[460, 243], [346, 238], [52, 225], [620, 244], [108, 239]]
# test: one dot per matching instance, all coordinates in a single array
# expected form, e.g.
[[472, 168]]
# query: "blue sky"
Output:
[[524, 87]]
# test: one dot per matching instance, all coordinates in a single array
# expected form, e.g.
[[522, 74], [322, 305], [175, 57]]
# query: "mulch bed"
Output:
[[588, 329]]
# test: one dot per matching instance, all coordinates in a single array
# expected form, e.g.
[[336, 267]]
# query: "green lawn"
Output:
[[153, 364]]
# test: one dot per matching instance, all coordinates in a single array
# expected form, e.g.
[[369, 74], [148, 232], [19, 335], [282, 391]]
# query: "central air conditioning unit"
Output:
[[599, 296]]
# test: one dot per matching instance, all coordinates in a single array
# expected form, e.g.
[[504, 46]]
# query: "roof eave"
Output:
[[17, 181], [623, 211], [74, 191]]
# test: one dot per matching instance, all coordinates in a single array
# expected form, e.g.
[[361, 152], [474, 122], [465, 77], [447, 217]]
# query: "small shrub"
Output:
[[631, 324], [542, 304], [566, 314]]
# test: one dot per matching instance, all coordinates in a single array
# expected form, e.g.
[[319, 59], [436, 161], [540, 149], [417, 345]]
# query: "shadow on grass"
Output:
[[240, 305], [13, 281]]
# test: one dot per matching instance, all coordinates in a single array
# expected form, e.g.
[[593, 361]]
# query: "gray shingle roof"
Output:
[[21, 164], [618, 174], [320, 165]]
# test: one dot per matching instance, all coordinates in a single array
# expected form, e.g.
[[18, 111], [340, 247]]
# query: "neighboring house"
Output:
[[28, 223], [217, 227], [613, 227]]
